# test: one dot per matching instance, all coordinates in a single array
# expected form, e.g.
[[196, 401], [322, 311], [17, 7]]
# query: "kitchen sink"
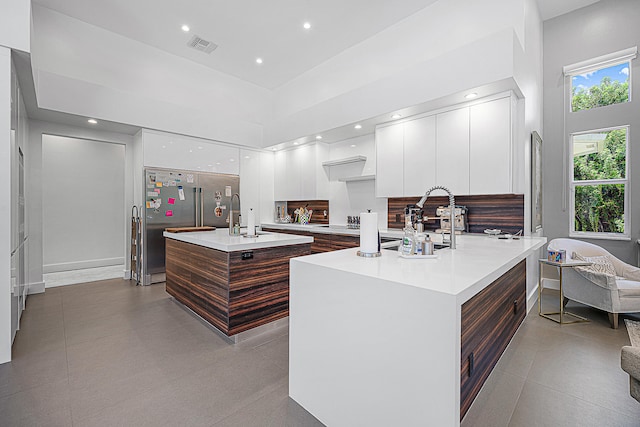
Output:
[[393, 246]]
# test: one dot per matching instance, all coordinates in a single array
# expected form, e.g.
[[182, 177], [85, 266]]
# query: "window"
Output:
[[599, 196], [600, 87]]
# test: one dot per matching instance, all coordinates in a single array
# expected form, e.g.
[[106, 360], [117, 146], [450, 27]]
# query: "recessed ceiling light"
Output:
[[258, 60], [217, 163], [210, 166], [353, 145], [274, 149], [357, 127], [306, 25], [185, 28], [396, 116], [232, 160], [164, 146], [318, 136], [246, 157], [200, 147], [471, 95], [190, 150], [93, 121], [296, 143]]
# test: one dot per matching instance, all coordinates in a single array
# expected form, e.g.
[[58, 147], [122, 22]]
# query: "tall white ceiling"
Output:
[[246, 29], [127, 61]]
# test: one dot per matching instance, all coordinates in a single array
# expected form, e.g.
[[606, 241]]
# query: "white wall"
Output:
[[528, 74], [5, 204], [36, 210], [121, 80], [605, 27], [83, 192], [15, 21]]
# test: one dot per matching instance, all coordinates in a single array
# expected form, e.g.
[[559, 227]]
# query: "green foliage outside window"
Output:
[[608, 92], [600, 208]]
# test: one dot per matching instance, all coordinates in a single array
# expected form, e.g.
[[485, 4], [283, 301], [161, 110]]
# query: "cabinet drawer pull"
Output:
[[515, 307]]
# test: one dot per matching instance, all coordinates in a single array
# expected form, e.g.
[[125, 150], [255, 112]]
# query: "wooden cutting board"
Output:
[[187, 229]]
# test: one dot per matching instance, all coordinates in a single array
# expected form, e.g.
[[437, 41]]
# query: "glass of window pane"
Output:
[[599, 88], [599, 208], [600, 155]]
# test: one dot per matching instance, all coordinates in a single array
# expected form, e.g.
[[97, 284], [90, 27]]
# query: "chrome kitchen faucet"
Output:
[[231, 224], [452, 208]]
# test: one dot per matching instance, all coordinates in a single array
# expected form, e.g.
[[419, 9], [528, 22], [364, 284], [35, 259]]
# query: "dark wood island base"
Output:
[[233, 291]]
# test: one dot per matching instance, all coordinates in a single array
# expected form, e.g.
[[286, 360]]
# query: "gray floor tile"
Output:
[[43, 405], [542, 406], [496, 402], [275, 409], [33, 370]]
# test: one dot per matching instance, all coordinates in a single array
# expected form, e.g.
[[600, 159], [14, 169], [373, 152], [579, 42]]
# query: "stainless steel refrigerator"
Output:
[[176, 198]]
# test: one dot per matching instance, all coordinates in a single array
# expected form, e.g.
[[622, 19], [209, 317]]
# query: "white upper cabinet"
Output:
[[490, 147], [298, 173], [250, 175], [389, 161], [452, 150], [167, 150], [280, 187], [467, 150], [419, 155]]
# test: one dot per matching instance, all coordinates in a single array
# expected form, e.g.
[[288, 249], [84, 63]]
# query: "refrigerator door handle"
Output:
[[201, 207], [195, 202]]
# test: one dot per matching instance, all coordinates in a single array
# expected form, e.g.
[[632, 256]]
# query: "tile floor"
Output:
[[109, 353]]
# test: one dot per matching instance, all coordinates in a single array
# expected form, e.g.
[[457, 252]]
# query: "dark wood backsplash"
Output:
[[501, 211], [317, 206]]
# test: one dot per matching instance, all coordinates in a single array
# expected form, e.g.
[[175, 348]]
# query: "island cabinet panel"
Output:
[[256, 302], [488, 322], [232, 291], [321, 241], [344, 242], [198, 278]]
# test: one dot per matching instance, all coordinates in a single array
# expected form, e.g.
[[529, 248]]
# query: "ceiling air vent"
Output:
[[202, 44]]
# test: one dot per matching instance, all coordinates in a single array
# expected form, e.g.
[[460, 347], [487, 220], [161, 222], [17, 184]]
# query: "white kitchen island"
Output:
[[378, 341]]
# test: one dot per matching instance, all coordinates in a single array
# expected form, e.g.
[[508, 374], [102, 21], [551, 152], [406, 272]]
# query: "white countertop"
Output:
[[476, 262], [221, 240], [331, 229]]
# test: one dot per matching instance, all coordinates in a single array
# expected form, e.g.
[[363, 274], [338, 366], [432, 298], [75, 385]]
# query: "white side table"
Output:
[[560, 266]]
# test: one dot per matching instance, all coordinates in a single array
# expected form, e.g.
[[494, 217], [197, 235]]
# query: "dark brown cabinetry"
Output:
[[488, 322], [323, 242], [234, 291]]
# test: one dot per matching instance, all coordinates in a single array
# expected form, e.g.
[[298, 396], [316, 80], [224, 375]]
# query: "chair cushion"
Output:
[[628, 288], [600, 264]]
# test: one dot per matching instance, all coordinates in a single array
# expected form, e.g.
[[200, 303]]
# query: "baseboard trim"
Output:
[[126, 274], [81, 265], [35, 288], [532, 298]]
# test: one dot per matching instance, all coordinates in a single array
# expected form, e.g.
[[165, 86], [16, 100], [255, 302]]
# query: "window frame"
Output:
[[584, 183], [597, 67]]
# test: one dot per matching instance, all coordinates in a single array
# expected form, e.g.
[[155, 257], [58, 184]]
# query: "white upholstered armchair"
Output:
[[614, 293]]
